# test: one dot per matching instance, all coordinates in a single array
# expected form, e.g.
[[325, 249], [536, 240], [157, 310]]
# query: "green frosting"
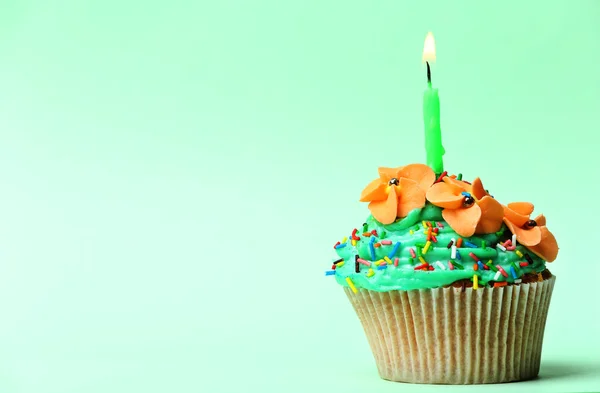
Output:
[[405, 277]]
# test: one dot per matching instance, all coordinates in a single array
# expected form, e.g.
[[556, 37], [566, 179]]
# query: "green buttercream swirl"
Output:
[[405, 277]]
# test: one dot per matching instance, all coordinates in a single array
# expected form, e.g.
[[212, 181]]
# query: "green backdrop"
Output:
[[175, 173]]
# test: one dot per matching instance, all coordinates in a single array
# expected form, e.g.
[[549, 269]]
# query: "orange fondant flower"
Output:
[[533, 234], [397, 191], [468, 208]]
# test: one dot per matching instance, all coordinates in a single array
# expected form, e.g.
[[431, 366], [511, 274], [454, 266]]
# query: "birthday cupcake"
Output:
[[450, 285]]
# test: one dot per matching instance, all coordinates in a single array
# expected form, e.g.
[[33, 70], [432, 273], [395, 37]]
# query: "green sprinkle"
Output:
[[491, 265], [382, 235], [515, 267], [412, 260], [483, 245], [419, 251], [420, 244], [458, 265], [417, 227], [459, 177]]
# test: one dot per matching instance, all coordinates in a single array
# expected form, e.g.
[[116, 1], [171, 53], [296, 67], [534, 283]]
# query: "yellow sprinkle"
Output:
[[540, 278], [340, 264], [351, 284], [388, 260], [475, 281], [412, 232], [381, 262], [422, 260], [426, 247], [370, 273], [519, 253], [424, 224], [344, 239], [353, 243]]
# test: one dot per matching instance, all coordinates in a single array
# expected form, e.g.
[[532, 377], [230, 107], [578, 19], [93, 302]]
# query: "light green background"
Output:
[[175, 173]]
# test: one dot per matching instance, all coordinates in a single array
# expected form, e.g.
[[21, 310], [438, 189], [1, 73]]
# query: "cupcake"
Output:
[[449, 284]]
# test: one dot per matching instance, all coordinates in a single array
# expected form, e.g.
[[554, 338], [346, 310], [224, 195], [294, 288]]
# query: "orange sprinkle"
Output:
[[459, 242], [453, 177], [367, 234], [377, 245], [500, 284], [475, 267]]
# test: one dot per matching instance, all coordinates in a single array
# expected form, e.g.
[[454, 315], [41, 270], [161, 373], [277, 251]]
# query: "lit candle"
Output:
[[431, 113]]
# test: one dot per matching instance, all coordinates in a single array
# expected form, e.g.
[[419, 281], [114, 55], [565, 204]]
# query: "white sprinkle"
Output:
[[497, 276], [440, 265], [518, 281], [500, 246], [453, 255], [514, 240]]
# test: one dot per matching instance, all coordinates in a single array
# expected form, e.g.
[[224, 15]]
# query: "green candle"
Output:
[[431, 114]]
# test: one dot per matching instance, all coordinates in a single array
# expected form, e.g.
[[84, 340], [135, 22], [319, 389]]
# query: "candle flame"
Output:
[[429, 48]]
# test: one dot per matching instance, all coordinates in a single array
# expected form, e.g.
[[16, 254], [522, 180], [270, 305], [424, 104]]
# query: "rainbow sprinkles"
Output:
[[422, 227]]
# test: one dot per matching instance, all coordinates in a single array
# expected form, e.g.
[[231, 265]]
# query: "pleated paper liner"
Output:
[[447, 336]]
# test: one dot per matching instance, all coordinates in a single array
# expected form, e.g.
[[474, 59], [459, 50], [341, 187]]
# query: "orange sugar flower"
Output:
[[468, 208], [533, 234], [397, 191]]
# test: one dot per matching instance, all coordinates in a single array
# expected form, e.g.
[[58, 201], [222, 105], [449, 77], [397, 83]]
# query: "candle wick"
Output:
[[428, 73]]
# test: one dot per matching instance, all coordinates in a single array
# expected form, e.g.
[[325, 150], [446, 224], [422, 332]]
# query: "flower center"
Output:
[[530, 224], [468, 200], [393, 182]]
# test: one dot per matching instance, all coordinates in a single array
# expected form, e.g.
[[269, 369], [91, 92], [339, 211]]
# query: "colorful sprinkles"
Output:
[[372, 249], [394, 250], [426, 248], [458, 265], [529, 259], [351, 285], [425, 244]]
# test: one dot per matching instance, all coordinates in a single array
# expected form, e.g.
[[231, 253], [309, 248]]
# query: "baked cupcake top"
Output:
[[426, 232]]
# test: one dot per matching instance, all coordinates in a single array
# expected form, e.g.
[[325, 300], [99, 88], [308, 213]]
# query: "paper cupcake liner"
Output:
[[447, 336]]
